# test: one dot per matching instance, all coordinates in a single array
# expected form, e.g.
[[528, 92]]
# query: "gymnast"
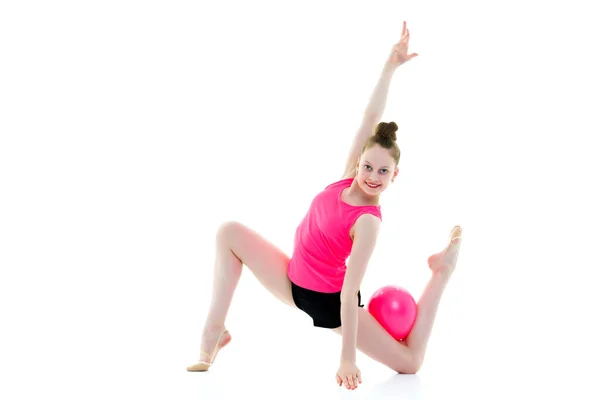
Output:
[[332, 247]]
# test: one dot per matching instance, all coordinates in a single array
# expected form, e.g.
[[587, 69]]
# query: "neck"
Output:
[[356, 193]]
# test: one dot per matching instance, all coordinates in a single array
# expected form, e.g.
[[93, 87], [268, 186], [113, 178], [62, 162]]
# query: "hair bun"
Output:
[[387, 130]]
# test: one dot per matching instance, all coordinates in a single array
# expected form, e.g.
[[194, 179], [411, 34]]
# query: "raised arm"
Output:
[[376, 106], [366, 230]]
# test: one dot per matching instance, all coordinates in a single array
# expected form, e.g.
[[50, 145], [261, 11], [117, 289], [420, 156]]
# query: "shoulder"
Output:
[[366, 227], [368, 222]]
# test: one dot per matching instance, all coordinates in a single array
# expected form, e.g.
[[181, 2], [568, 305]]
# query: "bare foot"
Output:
[[444, 262], [208, 345]]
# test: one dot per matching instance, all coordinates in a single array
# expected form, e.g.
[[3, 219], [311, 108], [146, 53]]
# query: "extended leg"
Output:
[[374, 341]]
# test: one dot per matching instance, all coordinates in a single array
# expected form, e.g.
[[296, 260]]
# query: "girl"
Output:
[[341, 224]]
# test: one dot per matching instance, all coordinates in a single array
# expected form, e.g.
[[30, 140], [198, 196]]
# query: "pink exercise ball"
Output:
[[395, 309]]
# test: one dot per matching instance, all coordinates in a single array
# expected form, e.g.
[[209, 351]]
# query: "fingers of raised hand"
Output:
[[404, 41]]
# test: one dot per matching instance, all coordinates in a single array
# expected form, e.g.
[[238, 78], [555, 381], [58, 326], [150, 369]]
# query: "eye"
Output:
[[367, 166], [384, 171]]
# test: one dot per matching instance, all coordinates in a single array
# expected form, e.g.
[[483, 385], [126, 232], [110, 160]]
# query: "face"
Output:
[[376, 167]]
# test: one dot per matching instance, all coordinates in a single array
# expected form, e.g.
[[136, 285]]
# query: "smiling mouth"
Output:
[[372, 186]]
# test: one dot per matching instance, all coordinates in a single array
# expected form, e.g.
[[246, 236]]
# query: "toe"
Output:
[[456, 233]]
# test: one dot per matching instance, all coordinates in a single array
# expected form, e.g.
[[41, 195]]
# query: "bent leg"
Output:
[[238, 245]]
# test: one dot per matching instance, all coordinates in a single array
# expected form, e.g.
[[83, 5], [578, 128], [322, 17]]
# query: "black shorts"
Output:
[[323, 308]]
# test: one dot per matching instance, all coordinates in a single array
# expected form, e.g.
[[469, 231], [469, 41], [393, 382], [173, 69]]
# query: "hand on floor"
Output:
[[349, 375]]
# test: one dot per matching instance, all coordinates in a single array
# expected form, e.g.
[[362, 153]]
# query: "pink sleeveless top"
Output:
[[322, 242]]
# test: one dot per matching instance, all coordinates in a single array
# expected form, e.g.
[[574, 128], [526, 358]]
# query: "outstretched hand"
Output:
[[399, 54]]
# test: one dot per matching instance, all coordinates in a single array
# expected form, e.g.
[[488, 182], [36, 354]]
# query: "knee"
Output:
[[227, 229], [412, 366], [416, 364]]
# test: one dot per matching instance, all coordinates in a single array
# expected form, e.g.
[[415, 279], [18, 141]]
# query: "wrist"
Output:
[[389, 67], [347, 360], [348, 356]]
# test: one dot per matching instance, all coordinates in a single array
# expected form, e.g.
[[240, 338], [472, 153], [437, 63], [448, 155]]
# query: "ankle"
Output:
[[441, 276], [210, 330]]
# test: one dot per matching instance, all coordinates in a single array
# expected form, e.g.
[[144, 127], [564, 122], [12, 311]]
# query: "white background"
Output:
[[129, 130]]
